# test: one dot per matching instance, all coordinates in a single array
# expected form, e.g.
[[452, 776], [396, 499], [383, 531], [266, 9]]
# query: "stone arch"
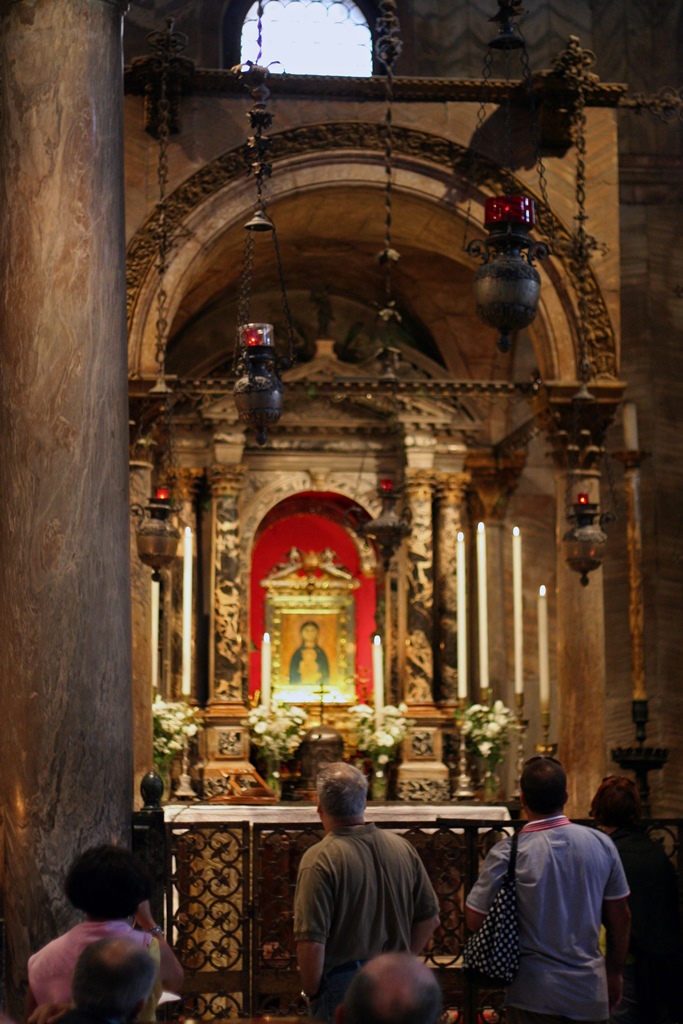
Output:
[[218, 196]]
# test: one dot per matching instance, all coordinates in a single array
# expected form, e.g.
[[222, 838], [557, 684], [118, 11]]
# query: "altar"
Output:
[[306, 813]]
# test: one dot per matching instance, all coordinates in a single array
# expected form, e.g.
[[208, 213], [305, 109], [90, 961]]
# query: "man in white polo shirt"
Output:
[[568, 881]]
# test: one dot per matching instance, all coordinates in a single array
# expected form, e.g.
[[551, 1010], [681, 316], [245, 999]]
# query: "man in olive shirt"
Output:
[[360, 892]]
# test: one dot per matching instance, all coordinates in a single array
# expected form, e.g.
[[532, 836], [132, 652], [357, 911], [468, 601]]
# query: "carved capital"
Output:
[[226, 481], [185, 481], [576, 419], [494, 480], [420, 484], [451, 488]]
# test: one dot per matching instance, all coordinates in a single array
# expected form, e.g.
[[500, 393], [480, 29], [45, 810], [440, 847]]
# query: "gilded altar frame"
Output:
[[312, 588]]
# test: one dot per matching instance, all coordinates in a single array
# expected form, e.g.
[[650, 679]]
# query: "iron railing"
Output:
[[229, 892]]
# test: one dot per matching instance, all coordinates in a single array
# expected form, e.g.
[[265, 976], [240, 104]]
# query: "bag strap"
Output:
[[513, 858]]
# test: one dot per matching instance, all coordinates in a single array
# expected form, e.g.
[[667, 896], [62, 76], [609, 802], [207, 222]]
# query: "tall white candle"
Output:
[[462, 616], [543, 665], [186, 684], [266, 661], [378, 679], [630, 422], [517, 608], [483, 608], [154, 639]]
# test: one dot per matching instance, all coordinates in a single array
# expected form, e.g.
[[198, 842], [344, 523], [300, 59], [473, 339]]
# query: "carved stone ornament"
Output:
[[427, 791], [458, 161]]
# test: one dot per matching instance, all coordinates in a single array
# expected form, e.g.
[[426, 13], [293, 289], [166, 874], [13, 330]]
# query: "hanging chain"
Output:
[[258, 163], [546, 218], [164, 51], [481, 121], [387, 50]]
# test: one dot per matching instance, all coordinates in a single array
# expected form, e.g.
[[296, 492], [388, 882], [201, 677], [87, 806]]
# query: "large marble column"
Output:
[[141, 619], [581, 671], [450, 493], [65, 665], [575, 430]]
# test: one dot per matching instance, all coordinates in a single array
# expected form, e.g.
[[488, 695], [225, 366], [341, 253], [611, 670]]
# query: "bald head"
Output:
[[112, 978], [395, 988], [342, 791]]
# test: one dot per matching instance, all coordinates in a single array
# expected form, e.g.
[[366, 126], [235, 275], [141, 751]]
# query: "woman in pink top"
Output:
[[113, 890]]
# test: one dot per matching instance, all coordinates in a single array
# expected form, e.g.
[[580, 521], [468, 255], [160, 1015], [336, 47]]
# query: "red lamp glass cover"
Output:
[[162, 494], [509, 210], [256, 334]]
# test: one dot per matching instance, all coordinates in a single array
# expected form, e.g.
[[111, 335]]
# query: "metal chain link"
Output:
[[481, 120], [387, 51], [546, 219]]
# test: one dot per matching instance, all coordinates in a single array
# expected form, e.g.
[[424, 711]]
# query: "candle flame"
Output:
[[541, 591], [266, 638], [377, 640], [515, 531], [188, 531], [480, 527], [461, 537]]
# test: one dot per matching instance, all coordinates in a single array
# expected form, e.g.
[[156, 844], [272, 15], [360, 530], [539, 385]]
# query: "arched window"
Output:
[[310, 37]]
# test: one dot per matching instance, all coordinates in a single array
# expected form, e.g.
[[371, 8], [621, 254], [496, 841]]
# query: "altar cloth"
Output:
[[306, 813]]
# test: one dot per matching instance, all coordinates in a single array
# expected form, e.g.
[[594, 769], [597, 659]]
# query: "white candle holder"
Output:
[[185, 790], [546, 749], [464, 789]]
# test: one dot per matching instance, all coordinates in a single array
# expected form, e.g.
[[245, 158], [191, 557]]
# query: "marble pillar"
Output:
[[450, 493], [422, 775], [66, 757], [141, 620], [227, 682], [225, 745], [420, 566], [579, 725]]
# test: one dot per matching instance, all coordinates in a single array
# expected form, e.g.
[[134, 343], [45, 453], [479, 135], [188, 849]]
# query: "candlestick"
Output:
[[462, 617], [378, 680], [185, 790], [630, 424], [463, 789], [483, 610], [266, 656], [547, 749], [186, 684], [543, 666], [517, 608]]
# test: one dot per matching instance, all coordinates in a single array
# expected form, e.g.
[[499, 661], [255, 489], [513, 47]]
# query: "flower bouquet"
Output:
[[488, 731], [379, 744], [174, 723], [277, 731]]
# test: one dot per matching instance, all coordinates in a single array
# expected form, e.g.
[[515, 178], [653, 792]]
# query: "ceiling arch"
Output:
[[325, 200]]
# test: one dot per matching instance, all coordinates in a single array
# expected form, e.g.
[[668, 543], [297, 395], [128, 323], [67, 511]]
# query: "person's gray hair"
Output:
[[112, 977], [394, 988], [342, 790]]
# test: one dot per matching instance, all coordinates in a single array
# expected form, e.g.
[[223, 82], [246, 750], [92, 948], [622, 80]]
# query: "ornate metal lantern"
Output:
[[507, 286], [389, 528], [584, 543], [258, 391], [156, 537]]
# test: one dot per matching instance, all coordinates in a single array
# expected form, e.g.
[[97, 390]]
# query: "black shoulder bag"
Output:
[[491, 954]]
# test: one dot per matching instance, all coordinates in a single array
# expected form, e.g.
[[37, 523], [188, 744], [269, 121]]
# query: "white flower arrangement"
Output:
[[277, 730], [174, 722], [381, 744], [487, 730]]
